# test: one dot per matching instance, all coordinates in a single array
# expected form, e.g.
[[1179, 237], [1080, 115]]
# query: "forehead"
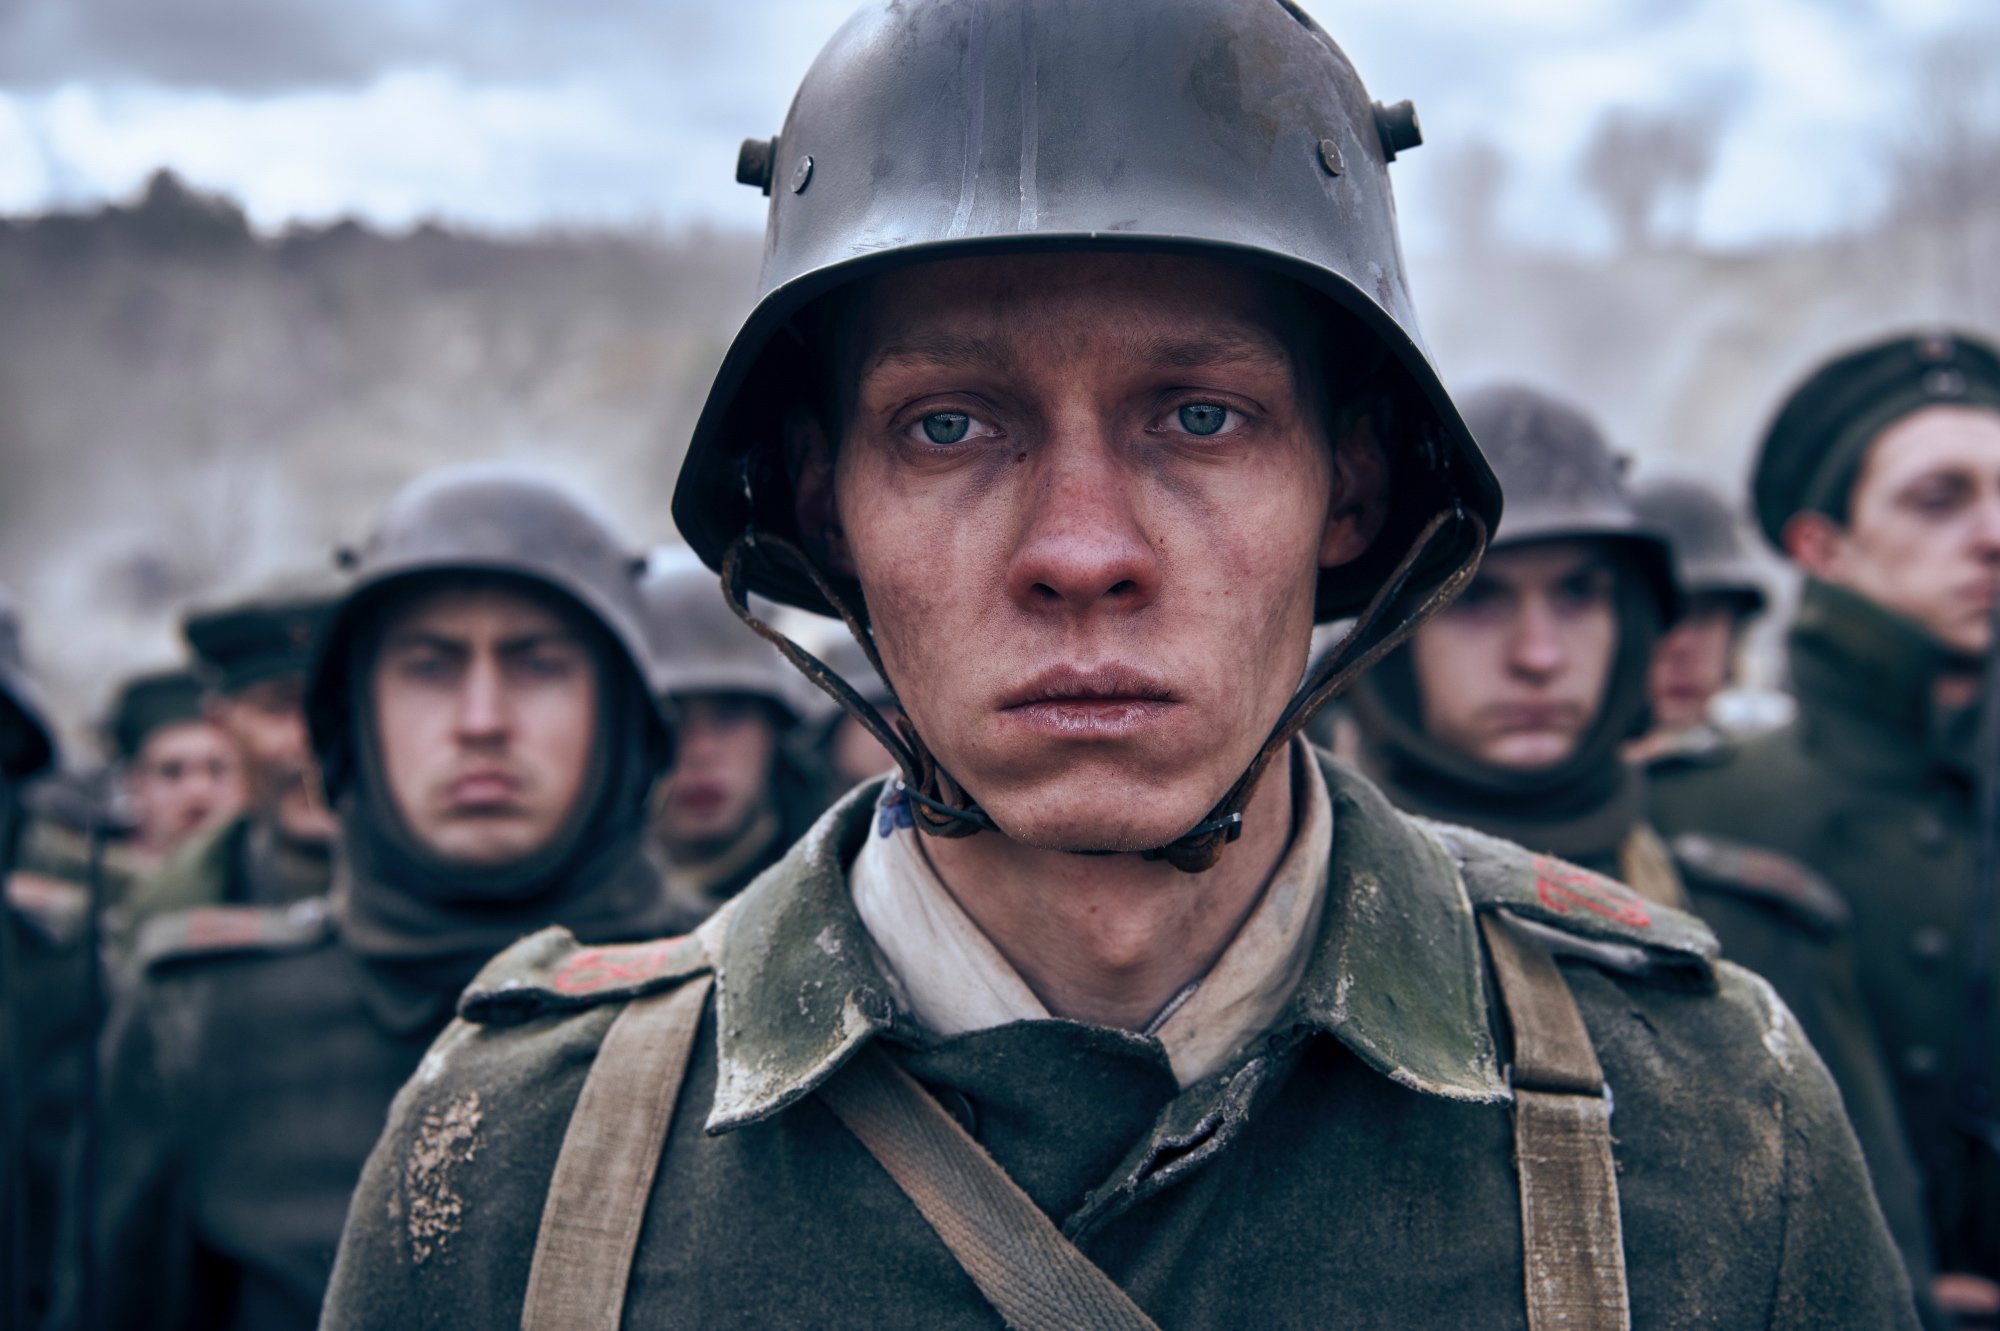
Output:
[[1934, 439], [1542, 562], [1164, 307], [476, 607]]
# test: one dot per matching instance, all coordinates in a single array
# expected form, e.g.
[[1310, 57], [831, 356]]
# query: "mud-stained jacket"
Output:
[[1353, 1167], [1872, 786]]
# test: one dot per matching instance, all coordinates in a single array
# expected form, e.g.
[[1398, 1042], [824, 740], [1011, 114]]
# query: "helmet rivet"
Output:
[[802, 175], [753, 163], [1398, 127], [1329, 157]]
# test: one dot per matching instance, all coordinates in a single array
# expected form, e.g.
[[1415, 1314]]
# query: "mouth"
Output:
[[486, 789], [1100, 702], [1532, 718], [698, 797]]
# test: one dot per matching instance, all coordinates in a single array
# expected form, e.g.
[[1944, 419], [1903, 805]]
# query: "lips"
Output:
[[1101, 702], [483, 789]]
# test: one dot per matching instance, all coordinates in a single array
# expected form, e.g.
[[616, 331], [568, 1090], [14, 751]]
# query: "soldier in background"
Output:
[[1508, 711], [27, 750], [1880, 479], [852, 755], [743, 789], [481, 714], [253, 655], [1698, 655], [181, 773]]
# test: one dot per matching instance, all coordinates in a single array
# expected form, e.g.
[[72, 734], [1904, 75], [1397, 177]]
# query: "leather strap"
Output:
[[1647, 867], [1035, 1278], [1573, 1247], [610, 1153]]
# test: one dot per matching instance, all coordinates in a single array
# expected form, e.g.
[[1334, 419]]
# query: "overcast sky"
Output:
[[518, 113]]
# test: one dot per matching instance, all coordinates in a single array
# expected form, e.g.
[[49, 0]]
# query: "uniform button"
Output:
[[1929, 946], [1920, 1060], [1932, 836], [959, 1106]]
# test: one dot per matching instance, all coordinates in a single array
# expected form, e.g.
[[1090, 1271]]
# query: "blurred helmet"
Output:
[[151, 702], [1709, 546], [1563, 482], [261, 632], [1229, 129], [484, 518], [699, 646], [31, 748]]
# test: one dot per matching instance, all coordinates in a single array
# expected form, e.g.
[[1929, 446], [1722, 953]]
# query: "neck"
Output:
[[1109, 940]]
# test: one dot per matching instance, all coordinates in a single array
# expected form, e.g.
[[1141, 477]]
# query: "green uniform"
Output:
[[242, 862], [1352, 1168], [1872, 786]]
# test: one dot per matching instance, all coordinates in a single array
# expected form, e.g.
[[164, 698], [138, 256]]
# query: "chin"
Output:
[[1530, 753], [1095, 814]]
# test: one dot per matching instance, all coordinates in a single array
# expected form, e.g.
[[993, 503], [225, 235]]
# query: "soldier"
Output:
[[1697, 656], [181, 772], [850, 753], [1880, 479], [742, 791], [1084, 381], [27, 749], [253, 654], [1507, 713], [480, 711]]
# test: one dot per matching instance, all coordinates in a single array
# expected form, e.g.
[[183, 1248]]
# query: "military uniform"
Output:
[[592, 1145], [1773, 915], [1263, 1183], [27, 750], [252, 1063], [1873, 787]]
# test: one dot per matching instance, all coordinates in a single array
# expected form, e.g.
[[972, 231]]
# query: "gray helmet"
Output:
[[698, 644], [1562, 481], [485, 518], [32, 748], [1709, 546], [1232, 129]]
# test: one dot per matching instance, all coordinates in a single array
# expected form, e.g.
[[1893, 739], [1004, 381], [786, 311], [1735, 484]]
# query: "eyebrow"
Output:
[[409, 638], [1179, 352]]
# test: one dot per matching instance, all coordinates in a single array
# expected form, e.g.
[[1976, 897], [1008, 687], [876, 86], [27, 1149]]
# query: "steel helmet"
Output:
[[699, 646], [484, 518], [1710, 550], [1563, 481], [1232, 129]]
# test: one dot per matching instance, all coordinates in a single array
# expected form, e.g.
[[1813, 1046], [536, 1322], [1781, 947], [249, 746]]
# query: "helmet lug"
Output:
[[1398, 127], [754, 162]]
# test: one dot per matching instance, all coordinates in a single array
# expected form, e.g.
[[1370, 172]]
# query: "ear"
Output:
[[1359, 503], [1815, 542], [815, 499]]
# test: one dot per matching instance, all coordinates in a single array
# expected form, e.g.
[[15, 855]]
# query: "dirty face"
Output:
[[1923, 531], [183, 778], [1514, 671], [266, 721], [722, 778], [486, 716], [1693, 662], [1087, 498]]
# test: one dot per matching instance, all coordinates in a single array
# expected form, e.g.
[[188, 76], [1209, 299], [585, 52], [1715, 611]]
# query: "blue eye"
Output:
[[1203, 418], [947, 427]]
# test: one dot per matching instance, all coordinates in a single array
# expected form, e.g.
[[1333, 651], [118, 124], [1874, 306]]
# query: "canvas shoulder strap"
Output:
[[1574, 1250], [1035, 1278], [610, 1153]]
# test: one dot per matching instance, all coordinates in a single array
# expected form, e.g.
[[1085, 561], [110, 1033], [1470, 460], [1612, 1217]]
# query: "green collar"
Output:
[[1396, 974], [1865, 678]]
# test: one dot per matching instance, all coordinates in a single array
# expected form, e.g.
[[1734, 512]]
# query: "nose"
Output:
[[1986, 526], [1535, 648], [482, 701], [1083, 544]]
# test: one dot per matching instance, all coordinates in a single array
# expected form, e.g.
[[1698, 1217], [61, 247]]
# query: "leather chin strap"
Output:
[[943, 807]]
